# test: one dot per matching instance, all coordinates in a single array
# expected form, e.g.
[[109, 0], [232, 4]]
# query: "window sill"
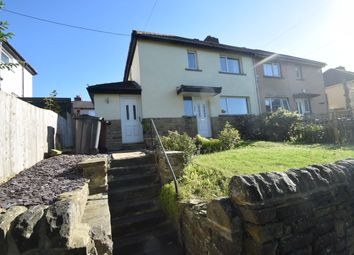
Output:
[[242, 74], [299, 79], [188, 116], [233, 115], [274, 77], [195, 70]]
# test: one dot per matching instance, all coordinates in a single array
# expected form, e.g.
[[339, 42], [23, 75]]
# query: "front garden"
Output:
[[210, 163]]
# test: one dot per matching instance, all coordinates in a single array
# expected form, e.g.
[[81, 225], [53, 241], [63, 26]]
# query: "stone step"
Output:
[[146, 191], [132, 161], [161, 239], [125, 226], [134, 179], [133, 207], [114, 172]]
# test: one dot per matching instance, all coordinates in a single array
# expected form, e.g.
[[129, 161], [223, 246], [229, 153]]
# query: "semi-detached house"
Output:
[[188, 85]]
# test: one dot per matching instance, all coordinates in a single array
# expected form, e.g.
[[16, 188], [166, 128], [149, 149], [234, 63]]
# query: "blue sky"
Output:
[[68, 59]]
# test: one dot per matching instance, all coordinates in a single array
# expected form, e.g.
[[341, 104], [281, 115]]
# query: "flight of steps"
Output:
[[138, 224]]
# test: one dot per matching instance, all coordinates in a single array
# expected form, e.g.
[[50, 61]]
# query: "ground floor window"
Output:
[[272, 104], [188, 106], [303, 105], [234, 105]]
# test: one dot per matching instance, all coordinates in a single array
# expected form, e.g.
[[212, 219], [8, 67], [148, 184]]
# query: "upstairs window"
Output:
[[271, 69], [234, 105], [272, 104], [192, 60], [298, 72], [230, 65], [5, 58], [188, 106]]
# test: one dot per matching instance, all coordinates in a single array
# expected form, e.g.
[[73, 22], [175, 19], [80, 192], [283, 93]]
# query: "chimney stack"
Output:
[[341, 68], [211, 39], [77, 98]]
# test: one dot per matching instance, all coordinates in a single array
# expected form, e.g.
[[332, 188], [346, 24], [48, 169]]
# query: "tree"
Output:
[[50, 103], [4, 36]]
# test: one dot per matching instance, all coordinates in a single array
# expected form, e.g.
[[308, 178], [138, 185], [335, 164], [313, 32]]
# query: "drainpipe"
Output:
[[23, 80], [0, 61], [257, 86]]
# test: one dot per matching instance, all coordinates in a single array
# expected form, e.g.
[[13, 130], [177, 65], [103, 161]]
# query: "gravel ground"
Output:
[[43, 182]]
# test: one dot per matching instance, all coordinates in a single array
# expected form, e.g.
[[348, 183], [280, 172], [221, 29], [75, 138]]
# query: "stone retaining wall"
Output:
[[300, 211], [114, 135], [78, 223], [177, 163]]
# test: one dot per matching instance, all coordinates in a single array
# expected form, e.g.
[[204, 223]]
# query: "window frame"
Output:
[[234, 97], [188, 98], [196, 68], [6, 55], [238, 60], [298, 70], [272, 65], [281, 102]]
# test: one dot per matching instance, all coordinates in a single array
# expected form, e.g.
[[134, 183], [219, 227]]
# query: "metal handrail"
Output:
[[165, 155]]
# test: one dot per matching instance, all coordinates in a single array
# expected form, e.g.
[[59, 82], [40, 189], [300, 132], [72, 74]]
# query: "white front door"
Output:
[[130, 112], [303, 105], [201, 110]]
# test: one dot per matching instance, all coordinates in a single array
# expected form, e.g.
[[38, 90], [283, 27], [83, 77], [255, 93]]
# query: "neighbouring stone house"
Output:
[[18, 80], [193, 86], [339, 89]]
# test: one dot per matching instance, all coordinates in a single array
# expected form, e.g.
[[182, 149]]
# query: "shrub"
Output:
[[203, 182], [229, 137], [180, 142], [311, 133], [206, 145], [168, 200], [281, 125]]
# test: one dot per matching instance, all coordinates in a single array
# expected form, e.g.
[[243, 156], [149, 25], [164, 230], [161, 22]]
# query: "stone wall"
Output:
[[300, 211], [183, 124], [78, 223], [177, 163], [28, 133]]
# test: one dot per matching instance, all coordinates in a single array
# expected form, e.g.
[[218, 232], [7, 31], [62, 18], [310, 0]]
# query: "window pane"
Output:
[[4, 58], [276, 70], [285, 104], [223, 67], [267, 69], [233, 65], [298, 72], [237, 106], [275, 104], [268, 105], [307, 105], [188, 106], [223, 105], [192, 60]]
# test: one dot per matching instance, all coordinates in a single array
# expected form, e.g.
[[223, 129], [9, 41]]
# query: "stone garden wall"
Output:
[[300, 211], [77, 223]]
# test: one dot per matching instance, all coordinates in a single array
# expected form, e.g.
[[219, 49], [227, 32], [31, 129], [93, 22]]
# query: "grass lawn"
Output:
[[270, 156]]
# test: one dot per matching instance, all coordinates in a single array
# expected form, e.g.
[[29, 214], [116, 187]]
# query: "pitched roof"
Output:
[[207, 44], [11, 50], [124, 87], [337, 75], [82, 104]]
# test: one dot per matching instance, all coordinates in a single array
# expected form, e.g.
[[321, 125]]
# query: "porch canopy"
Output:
[[188, 90], [305, 95], [124, 87]]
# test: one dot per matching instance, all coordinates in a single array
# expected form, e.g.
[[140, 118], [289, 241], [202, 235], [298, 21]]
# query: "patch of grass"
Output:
[[263, 156]]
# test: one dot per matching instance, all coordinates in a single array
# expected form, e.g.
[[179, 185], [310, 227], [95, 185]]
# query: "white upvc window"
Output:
[[188, 106], [272, 104], [230, 65], [298, 72], [5, 58], [271, 69], [234, 105], [192, 60]]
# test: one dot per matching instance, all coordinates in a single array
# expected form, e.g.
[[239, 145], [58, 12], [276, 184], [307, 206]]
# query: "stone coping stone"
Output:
[[271, 188], [93, 162], [128, 155]]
